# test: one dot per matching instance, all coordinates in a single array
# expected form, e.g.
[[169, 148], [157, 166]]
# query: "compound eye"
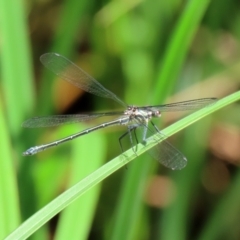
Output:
[[156, 113]]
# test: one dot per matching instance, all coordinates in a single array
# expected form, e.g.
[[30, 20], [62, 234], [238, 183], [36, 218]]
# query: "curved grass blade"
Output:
[[69, 196]]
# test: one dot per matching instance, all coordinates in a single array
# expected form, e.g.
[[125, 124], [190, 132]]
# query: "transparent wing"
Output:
[[70, 72], [183, 106], [163, 152], [56, 120], [167, 154]]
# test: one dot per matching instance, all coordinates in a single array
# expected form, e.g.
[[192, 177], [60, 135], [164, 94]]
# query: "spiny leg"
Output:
[[129, 132], [155, 127]]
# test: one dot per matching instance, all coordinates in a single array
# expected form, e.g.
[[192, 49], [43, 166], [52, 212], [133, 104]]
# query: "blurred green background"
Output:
[[147, 52]]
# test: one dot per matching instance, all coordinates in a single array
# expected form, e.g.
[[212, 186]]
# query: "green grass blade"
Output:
[[181, 38], [84, 161], [63, 200], [16, 63], [69, 196], [226, 213], [179, 45], [176, 215], [10, 215], [130, 201]]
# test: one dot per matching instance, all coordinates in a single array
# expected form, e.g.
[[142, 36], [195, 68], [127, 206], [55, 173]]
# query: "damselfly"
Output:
[[133, 117]]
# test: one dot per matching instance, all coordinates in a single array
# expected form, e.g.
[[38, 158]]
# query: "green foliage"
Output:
[[147, 52]]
